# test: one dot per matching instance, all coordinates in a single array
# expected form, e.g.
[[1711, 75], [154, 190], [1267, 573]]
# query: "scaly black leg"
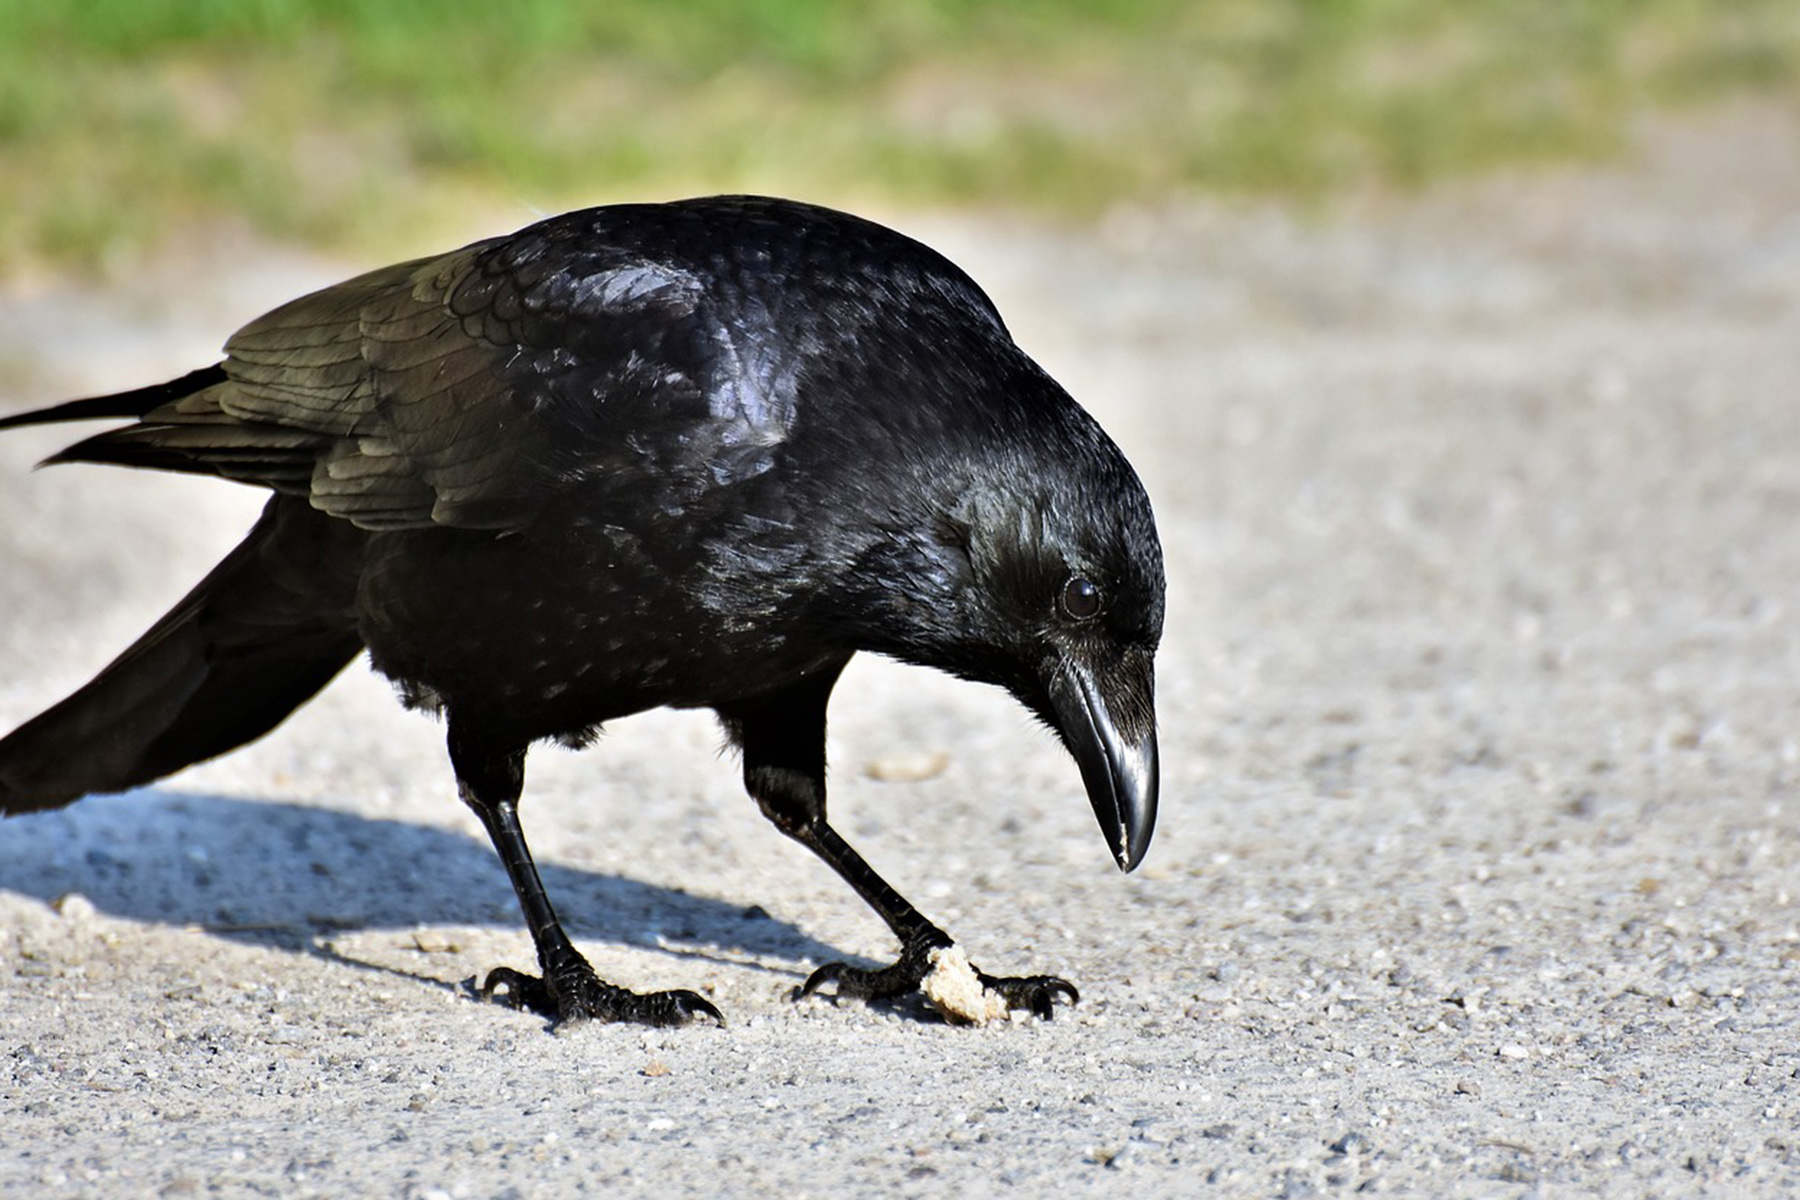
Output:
[[491, 776], [783, 740]]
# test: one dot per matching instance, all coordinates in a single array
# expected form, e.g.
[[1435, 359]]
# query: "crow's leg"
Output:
[[783, 740], [491, 776]]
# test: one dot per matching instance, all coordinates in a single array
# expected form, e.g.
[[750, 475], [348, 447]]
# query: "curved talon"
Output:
[[682, 1007], [819, 978], [521, 991]]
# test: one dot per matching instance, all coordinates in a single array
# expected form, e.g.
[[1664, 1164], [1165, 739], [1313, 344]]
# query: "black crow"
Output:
[[693, 454]]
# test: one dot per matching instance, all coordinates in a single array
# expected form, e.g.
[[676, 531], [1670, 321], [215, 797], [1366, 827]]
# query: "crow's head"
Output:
[[1065, 587], [1032, 563]]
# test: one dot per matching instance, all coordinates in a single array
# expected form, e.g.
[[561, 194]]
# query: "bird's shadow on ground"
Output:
[[285, 874]]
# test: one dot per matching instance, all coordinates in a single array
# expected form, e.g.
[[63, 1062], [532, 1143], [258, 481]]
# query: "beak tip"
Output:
[[1132, 849]]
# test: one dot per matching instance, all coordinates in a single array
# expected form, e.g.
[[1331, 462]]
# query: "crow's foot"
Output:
[[930, 963], [574, 994]]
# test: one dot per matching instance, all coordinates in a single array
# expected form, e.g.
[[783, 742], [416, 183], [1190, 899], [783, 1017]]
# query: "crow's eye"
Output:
[[1081, 598]]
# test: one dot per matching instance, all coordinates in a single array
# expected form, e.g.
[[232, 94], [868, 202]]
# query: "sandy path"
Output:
[[1480, 851]]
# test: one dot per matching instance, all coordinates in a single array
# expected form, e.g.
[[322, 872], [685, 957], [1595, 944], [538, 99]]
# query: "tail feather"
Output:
[[134, 403], [265, 630], [186, 425]]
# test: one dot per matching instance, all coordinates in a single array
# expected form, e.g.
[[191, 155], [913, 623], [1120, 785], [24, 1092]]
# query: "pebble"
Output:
[[75, 907], [908, 768]]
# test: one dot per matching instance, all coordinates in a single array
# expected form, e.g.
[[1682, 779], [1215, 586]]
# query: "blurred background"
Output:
[[375, 127]]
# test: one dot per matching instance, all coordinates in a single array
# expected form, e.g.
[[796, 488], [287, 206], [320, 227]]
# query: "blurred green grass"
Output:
[[342, 122]]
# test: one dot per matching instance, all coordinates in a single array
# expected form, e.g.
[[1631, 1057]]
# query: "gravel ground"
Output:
[[1479, 855]]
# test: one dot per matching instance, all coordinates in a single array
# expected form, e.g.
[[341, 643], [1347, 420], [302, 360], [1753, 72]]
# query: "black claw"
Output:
[[825, 974], [680, 1008], [1038, 993], [576, 995], [863, 984], [515, 989], [894, 980]]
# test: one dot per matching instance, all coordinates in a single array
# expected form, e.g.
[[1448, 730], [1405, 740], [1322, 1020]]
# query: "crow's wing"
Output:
[[462, 390]]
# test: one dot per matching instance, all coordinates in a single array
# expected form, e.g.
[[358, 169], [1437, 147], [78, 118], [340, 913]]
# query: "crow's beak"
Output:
[[1109, 724]]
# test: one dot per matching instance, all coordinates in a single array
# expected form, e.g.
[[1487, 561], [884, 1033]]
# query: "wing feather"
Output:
[[604, 349]]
